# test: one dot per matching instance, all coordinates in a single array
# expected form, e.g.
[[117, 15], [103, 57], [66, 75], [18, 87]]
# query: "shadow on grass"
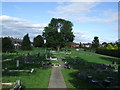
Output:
[[83, 66], [110, 59], [80, 83]]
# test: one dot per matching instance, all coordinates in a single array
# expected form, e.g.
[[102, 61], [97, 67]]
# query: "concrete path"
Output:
[[61, 62], [56, 79]]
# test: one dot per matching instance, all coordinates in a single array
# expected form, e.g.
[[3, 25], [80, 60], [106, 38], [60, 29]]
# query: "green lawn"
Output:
[[72, 81], [91, 57], [38, 79]]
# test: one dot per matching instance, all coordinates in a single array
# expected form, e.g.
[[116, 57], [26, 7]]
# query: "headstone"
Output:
[[46, 55], [77, 49], [17, 63]]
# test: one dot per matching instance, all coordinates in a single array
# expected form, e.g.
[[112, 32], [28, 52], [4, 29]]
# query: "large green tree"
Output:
[[58, 33], [38, 41], [7, 45], [26, 44], [95, 43]]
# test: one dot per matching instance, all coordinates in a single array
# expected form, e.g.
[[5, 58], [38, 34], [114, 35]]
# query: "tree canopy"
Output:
[[95, 43], [7, 45], [58, 33], [26, 44], [38, 41]]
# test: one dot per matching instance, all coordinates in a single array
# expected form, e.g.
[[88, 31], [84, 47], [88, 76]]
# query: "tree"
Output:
[[38, 41], [7, 45], [26, 44], [118, 43], [95, 43], [58, 33], [80, 45], [110, 47]]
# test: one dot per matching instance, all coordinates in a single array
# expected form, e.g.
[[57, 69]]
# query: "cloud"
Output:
[[17, 27], [80, 12], [81, 36]]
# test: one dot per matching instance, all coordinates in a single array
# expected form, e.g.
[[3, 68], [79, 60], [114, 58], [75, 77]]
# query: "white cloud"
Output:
[[79, 11], [81, 36], [17, 27]]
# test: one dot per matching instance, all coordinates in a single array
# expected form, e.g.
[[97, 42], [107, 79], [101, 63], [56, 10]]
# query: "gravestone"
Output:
[[17, 63], [77, 49], [46, 55]]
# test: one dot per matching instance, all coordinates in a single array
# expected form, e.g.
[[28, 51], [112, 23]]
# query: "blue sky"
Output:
[[89, 19]]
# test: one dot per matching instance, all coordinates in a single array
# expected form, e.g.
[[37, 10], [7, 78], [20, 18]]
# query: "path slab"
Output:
[[56, 79]]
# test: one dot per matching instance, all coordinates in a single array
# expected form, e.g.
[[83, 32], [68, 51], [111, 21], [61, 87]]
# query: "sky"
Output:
[[90, 19]]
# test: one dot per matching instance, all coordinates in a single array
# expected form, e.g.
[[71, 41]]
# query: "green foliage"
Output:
[[38, 41], [7, 45], [110, 47], [80, 45], [95, 43], [58, 33], [114, 53], [26, 44], [116, 46]]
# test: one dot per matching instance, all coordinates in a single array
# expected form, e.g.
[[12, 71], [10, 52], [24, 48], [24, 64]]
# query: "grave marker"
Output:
[[17, 63]]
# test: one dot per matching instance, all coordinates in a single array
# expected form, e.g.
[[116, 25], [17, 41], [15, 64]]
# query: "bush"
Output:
[[7, 45], [26, 44], [114, 53]]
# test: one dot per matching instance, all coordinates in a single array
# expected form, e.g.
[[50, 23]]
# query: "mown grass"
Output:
[[38, 79], [72, 81], [91, 57]]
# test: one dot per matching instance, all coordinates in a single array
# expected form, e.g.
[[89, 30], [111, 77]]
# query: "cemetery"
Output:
[[90, 70], [24, 65], [85, 68], [68, 45]]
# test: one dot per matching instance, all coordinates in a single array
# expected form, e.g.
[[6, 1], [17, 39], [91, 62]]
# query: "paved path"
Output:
[[61, 62], [56, 79]]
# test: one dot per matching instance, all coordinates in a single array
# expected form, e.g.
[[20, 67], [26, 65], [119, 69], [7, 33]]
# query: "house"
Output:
[[16, 41], [75, 45], [87, 44]]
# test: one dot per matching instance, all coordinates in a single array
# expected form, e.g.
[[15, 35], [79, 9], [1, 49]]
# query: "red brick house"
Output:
[[87, 44], [75, 45]]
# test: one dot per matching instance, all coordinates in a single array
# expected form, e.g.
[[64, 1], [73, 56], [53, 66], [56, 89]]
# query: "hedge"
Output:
[[114, 53]]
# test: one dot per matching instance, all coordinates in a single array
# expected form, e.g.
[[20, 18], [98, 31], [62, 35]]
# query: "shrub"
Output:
[[114, 53], [7, 45]]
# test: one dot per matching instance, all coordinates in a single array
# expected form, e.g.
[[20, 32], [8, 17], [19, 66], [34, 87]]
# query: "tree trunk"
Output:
[[58, 48]]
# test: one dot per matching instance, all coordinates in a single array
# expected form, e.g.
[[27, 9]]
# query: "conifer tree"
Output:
[[26, 44]]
